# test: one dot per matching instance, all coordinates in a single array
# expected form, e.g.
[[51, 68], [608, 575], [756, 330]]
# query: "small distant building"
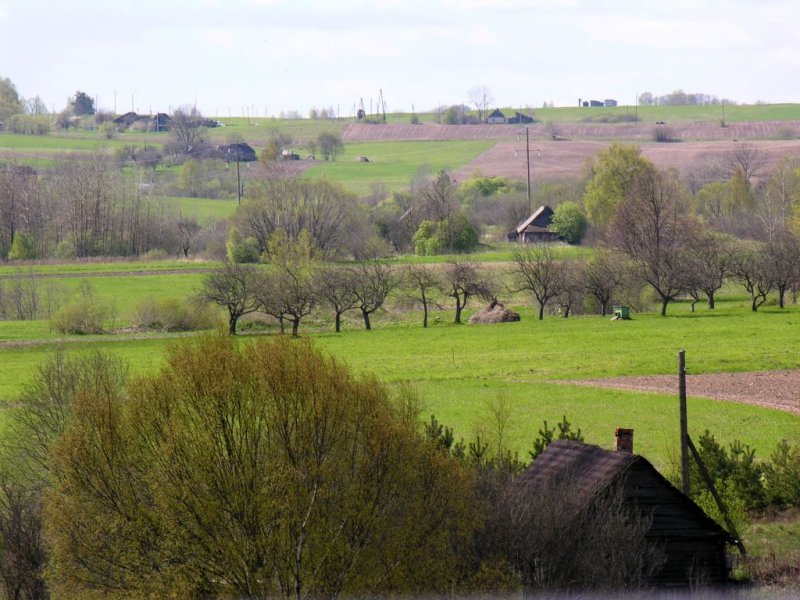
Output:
[[520, 118], [610, 102], [160, 122], [496, 117], [596, 103], [535, 229], [126, 120], [239, 151]]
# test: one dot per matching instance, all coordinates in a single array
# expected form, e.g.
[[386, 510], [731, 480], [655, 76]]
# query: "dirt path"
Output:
[[771, 389]]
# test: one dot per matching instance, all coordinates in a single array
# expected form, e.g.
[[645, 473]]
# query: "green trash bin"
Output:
[[622, 312]]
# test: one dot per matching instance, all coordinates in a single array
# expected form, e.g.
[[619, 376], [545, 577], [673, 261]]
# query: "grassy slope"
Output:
[[394, 164], [458, 369]]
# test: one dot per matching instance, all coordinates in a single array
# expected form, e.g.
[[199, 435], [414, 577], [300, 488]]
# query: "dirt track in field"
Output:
[[772, 389]]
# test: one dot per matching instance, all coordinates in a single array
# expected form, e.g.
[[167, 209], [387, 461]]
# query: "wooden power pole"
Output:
[[684, 422]]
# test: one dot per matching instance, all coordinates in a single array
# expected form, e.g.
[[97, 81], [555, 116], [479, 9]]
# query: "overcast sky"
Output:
[[230, 56]]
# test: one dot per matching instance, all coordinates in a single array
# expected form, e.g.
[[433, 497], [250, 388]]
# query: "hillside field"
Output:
[[460, 370]]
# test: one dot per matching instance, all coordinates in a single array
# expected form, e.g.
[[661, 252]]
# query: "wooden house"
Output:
[[694, 545], [240, 151], [496, 117], [536, 228]]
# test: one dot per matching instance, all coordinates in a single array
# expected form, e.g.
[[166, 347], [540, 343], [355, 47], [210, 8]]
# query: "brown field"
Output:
[[556, 160], [771, 389], [700, 143]]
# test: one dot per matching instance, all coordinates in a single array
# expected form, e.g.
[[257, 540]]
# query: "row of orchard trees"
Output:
[[649, 246], [269, 470], [84, 207], [293, 284]]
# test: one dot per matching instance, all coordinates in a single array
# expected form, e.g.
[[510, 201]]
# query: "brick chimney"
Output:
[[623, 440]]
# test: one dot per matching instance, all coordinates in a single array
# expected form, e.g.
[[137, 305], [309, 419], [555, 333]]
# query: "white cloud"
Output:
[[670, 34]]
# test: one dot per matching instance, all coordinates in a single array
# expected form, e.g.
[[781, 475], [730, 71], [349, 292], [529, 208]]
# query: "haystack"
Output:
[[495, 312]]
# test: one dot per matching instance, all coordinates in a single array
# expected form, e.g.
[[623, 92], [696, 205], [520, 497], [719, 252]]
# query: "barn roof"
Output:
[[593, 470], [535, 215], [497, 113]]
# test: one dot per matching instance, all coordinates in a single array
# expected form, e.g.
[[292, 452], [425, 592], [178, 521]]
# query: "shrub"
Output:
[[83, 316], [23, 248], [170, 314], [664, 134]]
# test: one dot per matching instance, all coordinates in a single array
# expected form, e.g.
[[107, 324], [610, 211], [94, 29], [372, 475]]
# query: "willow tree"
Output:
[[252, 470]]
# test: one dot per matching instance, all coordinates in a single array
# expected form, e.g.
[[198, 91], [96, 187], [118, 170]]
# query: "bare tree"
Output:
[[335, 286], [746, 157], [482, 98], [651, 227], [188, 228], [437, 199], [372, 283], [750, 266], [233, 287], [422, 280], [461, 281], [602, 278], [537, 271], [783, 257], [572, 288], [709, 262], [187, 129], [321, 208]]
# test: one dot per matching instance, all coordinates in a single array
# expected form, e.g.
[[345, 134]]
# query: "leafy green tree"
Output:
[[189, 178], [10, 103], [613, 172], [82, 104], [569, 222], [23, 247], [253, 470], [330, 144]]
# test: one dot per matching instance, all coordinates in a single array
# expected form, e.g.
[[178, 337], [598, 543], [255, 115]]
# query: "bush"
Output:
[[23, 248], [83, 316], [242, 250], [29, 124], [170, 314], [664, 134]]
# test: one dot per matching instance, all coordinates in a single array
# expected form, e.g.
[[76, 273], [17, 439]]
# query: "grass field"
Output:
[[394, 164], [459, 369], [207, 211]]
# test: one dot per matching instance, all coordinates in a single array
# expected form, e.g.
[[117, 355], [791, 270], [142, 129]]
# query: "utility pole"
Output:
[[684, 422], [528, 158]]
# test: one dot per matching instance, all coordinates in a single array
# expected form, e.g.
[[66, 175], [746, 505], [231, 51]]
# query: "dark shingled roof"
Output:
[[593, 470]]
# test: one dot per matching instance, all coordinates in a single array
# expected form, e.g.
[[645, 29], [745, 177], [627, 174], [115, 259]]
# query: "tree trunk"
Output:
[[424, 314], [232, 324], [603, 307], [664, 302], [694, 301], [338, 321], [753, 304], [295, 326], [710, 299], [367, 325], [781, 295], [459, 307], [541, 311]]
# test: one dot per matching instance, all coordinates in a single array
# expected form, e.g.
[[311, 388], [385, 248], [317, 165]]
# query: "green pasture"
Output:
[[394, 164], [709, 113], [90, 267], [207, 211], [459, 370], [57, 143]]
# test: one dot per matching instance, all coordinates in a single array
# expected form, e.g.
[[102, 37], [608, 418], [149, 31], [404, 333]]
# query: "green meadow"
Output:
[[459, 371], [394, 164]]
